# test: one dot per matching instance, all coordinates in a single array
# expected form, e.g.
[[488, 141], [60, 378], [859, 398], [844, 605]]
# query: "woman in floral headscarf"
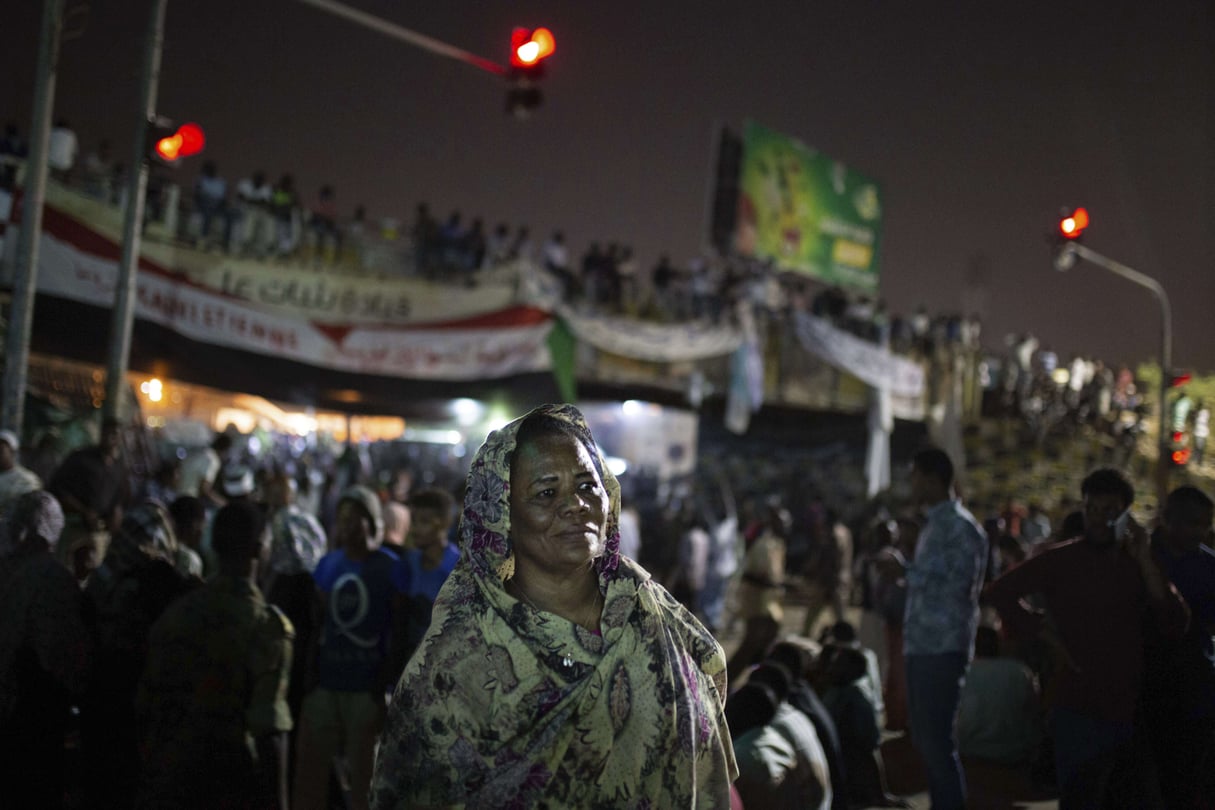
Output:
[[556, 673]]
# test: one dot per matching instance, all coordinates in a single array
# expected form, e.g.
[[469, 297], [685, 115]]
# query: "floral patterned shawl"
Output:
[[504, 706]]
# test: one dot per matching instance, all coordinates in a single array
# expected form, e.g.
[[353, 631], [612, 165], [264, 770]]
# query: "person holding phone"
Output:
[[1098, 588]]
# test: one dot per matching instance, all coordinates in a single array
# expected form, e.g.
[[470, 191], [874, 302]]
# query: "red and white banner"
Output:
[[496, 344]]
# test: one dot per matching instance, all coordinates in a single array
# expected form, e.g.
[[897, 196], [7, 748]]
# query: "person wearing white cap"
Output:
[[15, 480]]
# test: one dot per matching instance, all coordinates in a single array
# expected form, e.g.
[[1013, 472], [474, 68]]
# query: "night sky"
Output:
[[979, 120]]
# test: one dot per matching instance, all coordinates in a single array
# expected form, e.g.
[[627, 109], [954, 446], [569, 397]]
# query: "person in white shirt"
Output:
[[256, 223], [15, 480], [62, 150]]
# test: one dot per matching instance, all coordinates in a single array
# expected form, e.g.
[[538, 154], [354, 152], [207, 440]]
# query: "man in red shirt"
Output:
[[1098, 589]]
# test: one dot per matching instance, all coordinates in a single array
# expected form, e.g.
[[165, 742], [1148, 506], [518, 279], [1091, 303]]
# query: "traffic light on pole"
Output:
[[529, 48], [1072, 223], [167, 143], [1068, 230]]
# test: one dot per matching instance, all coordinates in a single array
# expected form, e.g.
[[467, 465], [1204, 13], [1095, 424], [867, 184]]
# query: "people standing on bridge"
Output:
[[253, 196], [284, 208], [1101, 589], [940, 620], [211, 204]]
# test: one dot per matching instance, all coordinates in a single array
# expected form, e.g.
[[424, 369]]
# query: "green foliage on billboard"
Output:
[[806, 212]]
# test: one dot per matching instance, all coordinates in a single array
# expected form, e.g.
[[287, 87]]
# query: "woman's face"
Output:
[[558, 505]]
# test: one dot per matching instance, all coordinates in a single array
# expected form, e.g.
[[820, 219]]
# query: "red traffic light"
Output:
[[529, 47], [186, 141], [1073, 223], [1180, 457]]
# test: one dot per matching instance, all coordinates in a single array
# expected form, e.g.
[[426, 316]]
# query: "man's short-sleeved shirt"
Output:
[[943, 583], [358, 617]]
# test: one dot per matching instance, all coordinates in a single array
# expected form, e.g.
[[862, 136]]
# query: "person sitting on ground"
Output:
[[44, 651], [1000, 715], [555, 673], [842, 676], [799, 656], [781, 764], [843, 634], [212, 702], [780, 680]]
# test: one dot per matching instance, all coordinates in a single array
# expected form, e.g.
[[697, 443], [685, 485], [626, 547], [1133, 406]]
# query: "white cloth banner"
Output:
[[438, 353], [657, 343], [867, 361]]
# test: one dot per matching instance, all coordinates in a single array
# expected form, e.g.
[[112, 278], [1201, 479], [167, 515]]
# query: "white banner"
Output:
[[654, 342], [869, 362], [514, 342]]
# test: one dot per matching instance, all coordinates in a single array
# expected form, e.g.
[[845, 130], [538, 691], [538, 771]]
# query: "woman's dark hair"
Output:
[[1108, 481]]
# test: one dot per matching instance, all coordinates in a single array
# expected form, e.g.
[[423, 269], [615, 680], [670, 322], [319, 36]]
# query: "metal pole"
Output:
[[1166, 354], [405, 35], [25, 273], [122, 317]]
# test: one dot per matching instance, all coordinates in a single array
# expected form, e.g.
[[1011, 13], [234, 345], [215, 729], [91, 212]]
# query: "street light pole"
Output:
[[25, 275], [404, 34], [122, 316], [1064, 260]]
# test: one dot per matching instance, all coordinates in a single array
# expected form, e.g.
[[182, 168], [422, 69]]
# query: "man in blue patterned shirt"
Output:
[[942, 614]]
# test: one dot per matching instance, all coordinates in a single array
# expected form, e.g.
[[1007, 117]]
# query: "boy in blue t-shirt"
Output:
[[353, 663], [423, 569]]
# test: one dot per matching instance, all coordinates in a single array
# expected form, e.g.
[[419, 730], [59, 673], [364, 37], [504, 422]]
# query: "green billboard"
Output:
[[806, 212]]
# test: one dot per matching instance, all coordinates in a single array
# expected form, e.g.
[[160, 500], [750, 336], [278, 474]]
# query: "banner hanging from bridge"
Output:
[[496, 344], [867, 361]]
